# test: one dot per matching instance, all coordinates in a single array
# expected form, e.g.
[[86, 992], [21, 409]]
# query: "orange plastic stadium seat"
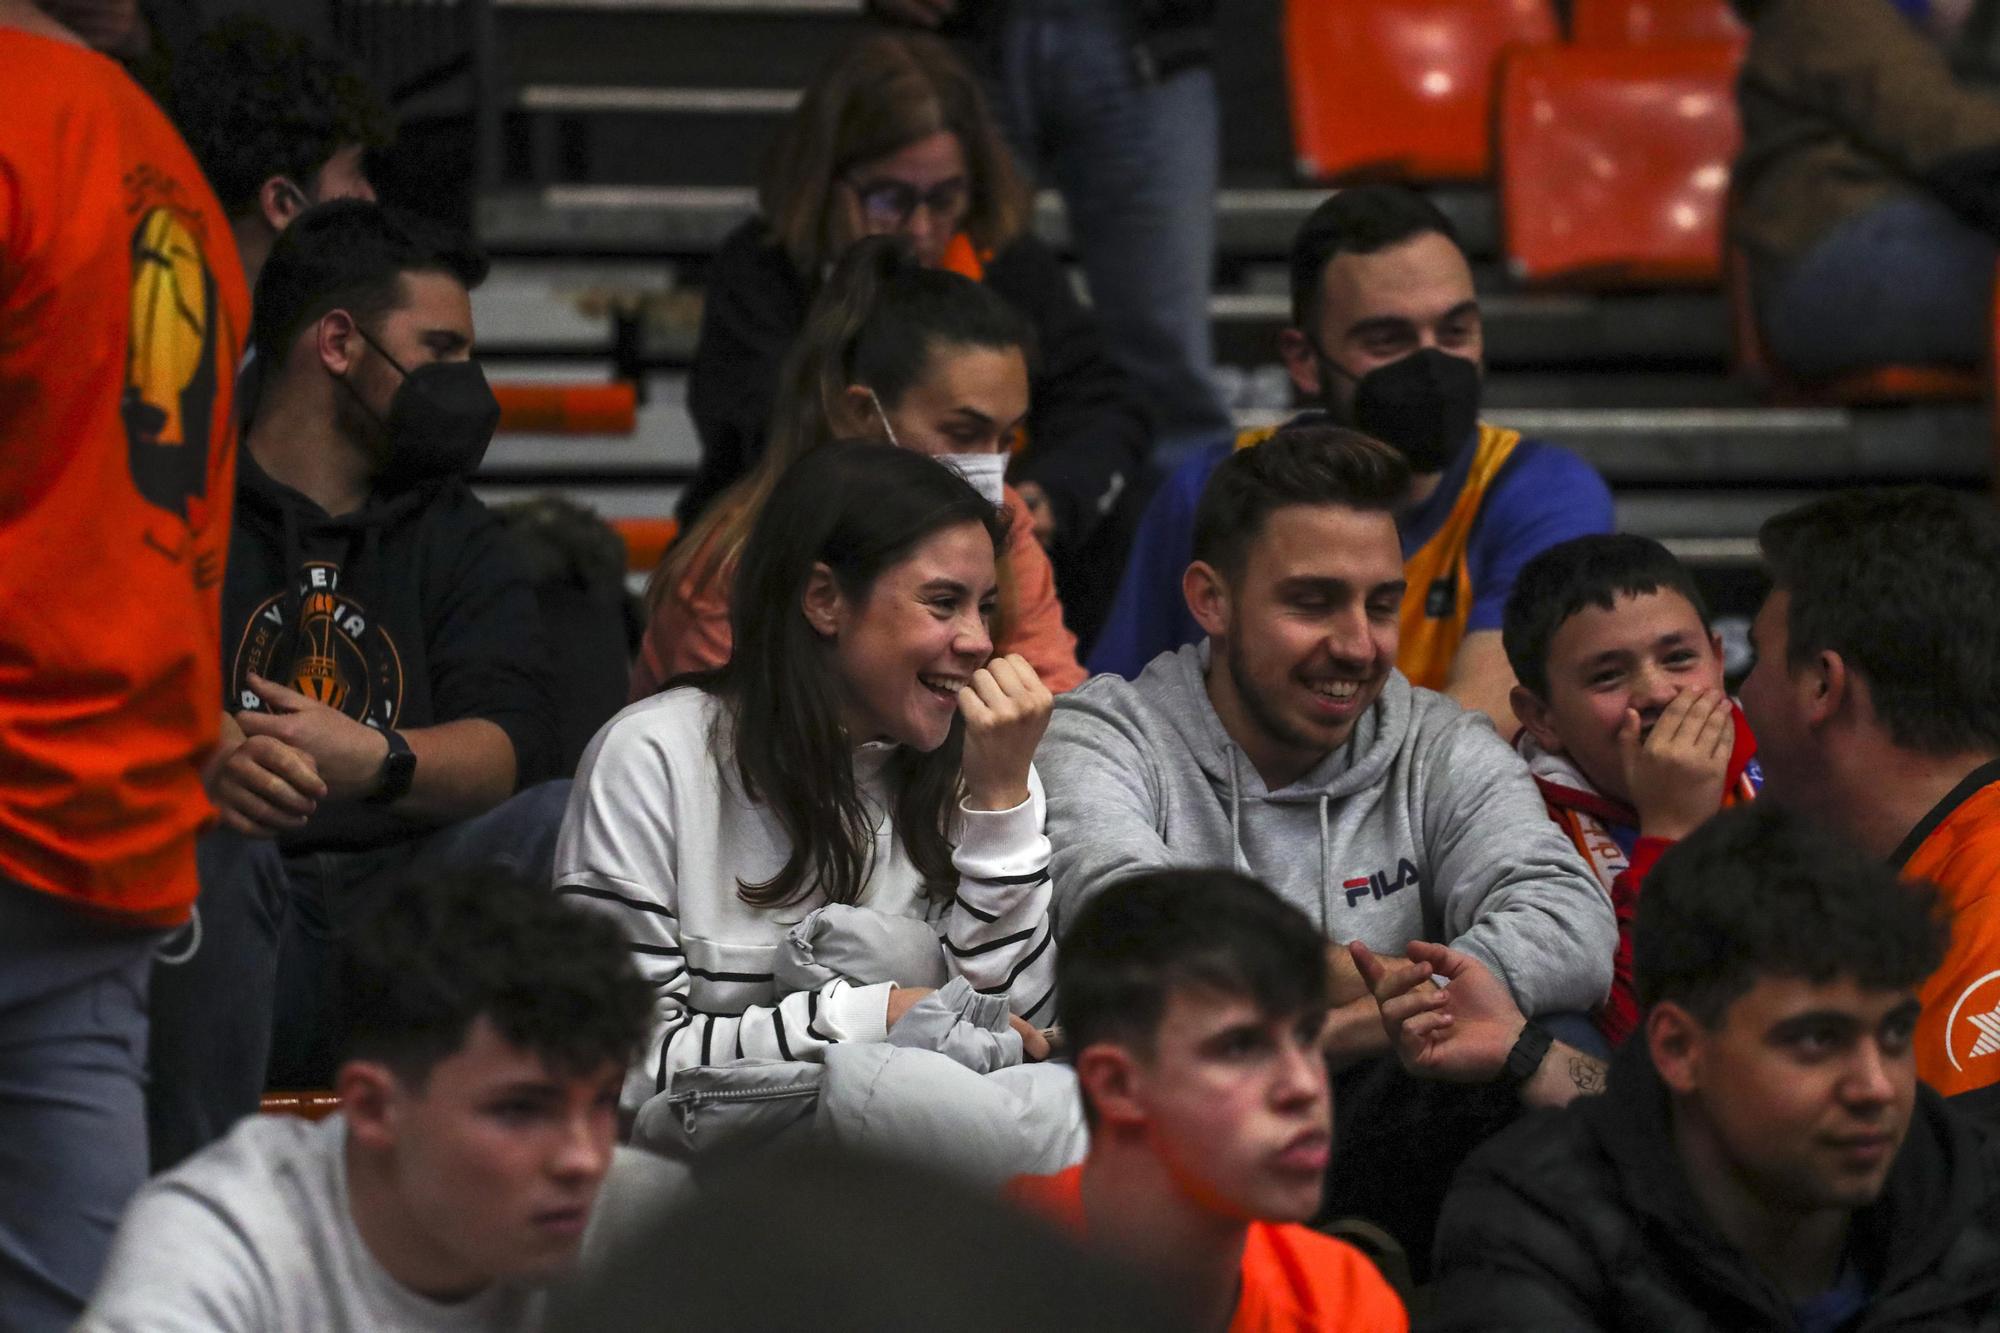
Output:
[[1401, 89], [1614, 162], [1636, 22], [646, 540], [568, 409]]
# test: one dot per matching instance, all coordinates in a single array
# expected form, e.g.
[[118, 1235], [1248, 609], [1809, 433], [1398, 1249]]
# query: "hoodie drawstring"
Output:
[[1325, 871], [1235, 820]]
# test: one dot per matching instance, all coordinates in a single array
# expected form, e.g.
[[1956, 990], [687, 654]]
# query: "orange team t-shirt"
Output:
[[1294, 1279], [122, 314], [1957, 848], [689, 628]]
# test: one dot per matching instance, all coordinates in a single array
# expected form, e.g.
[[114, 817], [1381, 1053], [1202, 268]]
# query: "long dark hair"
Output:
[[858, 509], [880, 320]]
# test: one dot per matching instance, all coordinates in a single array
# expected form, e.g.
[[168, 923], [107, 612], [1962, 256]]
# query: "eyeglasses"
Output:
[[888, 204]]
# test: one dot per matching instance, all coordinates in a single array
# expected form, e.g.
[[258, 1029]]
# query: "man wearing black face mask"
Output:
[[1386, 338], [386, 685]]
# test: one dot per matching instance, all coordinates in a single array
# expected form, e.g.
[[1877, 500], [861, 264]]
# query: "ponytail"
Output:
[[878, 319]]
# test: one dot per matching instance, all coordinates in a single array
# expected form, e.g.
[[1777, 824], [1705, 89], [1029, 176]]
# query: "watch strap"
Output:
[[399, 770], [1530, 1049]]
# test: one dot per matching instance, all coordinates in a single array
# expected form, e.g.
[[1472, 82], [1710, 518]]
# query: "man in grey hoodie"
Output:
[[1288, 746]]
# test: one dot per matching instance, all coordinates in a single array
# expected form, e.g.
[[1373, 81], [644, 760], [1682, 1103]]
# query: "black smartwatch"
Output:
[[1530, 1049], [399, 770]]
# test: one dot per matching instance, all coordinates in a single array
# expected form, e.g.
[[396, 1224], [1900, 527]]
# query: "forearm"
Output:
[[1482, 681], [1564, 1075], [1354, 1033], [464, 768]]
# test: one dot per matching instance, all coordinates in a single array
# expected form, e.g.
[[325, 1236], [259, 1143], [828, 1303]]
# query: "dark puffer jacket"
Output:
[[1581, 1219]]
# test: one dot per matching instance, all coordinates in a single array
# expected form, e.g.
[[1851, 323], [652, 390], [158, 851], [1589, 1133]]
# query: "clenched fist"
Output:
[[1006, 710]]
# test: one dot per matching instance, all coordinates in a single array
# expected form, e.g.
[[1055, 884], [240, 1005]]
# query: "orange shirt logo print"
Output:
[[333, 651], [1972, 1032], [170, 371]]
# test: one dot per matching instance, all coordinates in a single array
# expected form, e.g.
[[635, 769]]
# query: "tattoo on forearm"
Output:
[[1587, 1074]]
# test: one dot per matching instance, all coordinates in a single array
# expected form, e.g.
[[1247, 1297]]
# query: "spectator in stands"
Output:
[[386, 692], [1193, 1002], [1867, 190], [122, 312], [1627, 724], [1765, 1157], [1288, 745], [1876, 699], [277, 124], [914, 356], [488, 1029], [894, 137], [1114, 100], [862, 746], [1387, 340]]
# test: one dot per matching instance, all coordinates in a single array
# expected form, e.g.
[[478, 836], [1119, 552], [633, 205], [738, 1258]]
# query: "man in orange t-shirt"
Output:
[[1193, 1000], [1876, 703], [122, 312]]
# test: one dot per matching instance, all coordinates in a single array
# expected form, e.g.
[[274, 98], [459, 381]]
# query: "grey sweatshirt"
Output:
[[1423, 826]]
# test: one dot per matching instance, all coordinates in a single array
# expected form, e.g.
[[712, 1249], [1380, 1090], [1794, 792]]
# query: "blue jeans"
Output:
[[1137, 163], [72, 1106], [249, 1002], [1905, 283]]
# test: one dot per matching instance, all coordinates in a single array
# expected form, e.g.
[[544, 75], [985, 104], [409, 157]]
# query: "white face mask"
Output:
[[986, 473]]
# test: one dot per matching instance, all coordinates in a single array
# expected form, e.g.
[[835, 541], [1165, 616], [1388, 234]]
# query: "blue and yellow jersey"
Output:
[[1503, 502]]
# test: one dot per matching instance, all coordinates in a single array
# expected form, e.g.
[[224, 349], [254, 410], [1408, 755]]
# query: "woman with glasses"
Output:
[[894, 137]]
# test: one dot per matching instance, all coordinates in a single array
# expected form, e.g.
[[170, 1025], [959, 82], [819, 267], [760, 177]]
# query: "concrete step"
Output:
[[1695, 461], [690, 220], [565, 306]]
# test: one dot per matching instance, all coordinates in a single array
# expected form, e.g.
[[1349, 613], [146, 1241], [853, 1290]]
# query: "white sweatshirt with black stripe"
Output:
[[658, 836]]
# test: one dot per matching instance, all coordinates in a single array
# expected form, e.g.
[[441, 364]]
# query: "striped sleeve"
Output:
[[998, 933]]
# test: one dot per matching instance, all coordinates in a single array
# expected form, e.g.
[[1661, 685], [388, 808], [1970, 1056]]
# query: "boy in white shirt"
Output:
[[490, 1029]]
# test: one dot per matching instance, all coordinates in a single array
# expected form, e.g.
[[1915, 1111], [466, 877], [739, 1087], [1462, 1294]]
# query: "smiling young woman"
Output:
[[862, 746]]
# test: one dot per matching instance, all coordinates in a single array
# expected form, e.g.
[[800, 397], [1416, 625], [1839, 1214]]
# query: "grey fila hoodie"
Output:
[[1425, 825]]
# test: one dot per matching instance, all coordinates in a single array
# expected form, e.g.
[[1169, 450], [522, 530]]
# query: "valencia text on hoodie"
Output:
[[1424, 825]]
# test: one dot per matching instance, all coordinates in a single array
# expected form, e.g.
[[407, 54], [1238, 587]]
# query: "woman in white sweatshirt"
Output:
[[862, 746]]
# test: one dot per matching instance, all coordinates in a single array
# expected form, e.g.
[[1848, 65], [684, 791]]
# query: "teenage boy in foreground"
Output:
[[1193, 1000], [490, 1028], [1626, 723], [1765, 1157]]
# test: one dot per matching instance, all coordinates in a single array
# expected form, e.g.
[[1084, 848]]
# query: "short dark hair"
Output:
[[1148, 934], [1903, 583], [442, 951], [255, 101], [1305, 464], [1356, 221], [348, 254], [1759, 891], [1593, 570]]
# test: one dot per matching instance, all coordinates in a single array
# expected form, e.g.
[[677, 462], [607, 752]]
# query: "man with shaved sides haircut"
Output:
[[386, 699]]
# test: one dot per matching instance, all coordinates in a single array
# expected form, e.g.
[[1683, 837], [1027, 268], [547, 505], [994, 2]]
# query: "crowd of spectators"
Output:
[[1403, 925]]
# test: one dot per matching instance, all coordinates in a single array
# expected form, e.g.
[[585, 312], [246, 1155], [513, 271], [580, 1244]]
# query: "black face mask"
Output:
[[440, 422], [1426, 405]]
